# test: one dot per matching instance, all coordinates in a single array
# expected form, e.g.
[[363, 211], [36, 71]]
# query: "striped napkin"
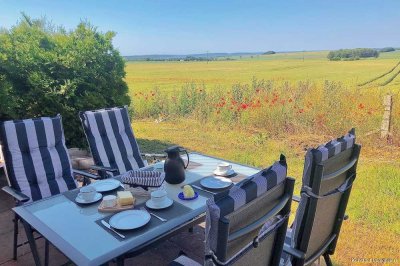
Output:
[[143, 178]]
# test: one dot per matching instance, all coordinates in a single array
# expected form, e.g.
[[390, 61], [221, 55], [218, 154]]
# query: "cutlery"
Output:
[[112, 229], [199, 188], [158, 217]]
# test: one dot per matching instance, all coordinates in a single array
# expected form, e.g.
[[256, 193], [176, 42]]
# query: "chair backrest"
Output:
[[111, 139], [247, 224], [329, 172], [36, 157]]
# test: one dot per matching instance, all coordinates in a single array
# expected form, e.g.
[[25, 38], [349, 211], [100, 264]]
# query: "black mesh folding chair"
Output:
[[247, 224], [329, 172], [37, 164], [112, 141]]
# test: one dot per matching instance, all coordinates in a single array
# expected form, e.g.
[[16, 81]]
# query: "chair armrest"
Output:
[[103, 168], [85, 174], [294, 252], [154, 155], [296, 198], [19, 196]]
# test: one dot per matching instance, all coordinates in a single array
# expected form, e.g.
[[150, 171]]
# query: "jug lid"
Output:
[[173, 149]]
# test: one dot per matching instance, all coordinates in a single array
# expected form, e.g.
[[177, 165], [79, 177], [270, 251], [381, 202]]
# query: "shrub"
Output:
[[45, 71]]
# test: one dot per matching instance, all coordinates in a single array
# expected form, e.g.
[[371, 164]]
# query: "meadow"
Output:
[[252, 109]]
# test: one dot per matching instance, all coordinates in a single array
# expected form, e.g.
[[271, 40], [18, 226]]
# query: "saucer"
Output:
[[96, 198], [227, 173], [167, 202], [182, 197]]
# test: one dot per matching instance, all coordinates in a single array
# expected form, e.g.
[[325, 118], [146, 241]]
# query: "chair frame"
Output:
[[20, 198], [281, 208], [328, 248]]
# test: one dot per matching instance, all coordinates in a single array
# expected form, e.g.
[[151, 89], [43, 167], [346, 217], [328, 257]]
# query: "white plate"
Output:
[[215, 182], [106, 185], [167, 202], [97, 197], [130, 219], [228, 173]]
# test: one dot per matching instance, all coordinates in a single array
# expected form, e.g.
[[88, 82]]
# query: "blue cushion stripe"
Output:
[[120, 142], [63, 154], [132, 140], [104, 138], [27, 160], [46, 157]]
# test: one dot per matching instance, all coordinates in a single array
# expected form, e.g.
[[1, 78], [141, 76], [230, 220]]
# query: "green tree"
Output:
[[46, 70]]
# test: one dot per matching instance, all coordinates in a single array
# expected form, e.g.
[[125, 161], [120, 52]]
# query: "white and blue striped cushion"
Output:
[[37, 160], [111, 139]]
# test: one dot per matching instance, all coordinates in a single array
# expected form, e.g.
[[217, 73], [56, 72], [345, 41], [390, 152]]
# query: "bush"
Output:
[[45, 71], [352, 54]]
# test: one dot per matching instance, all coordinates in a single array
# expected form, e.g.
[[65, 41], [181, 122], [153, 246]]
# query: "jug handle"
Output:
[[187, 154]]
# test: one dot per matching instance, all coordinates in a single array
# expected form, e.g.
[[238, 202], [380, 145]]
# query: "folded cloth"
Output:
[[143, 178]]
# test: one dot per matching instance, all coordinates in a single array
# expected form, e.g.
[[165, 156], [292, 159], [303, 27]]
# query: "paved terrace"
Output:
[[191, 243]]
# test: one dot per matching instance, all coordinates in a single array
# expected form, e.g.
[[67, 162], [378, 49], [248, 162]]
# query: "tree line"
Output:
[[352, 54]]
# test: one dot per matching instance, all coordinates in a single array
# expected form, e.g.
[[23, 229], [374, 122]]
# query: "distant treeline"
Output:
[[387, 49], [187, 58], [269, 52], [352, 54]]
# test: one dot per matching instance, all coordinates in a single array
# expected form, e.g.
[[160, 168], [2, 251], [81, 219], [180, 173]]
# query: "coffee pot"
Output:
[[174, 166]]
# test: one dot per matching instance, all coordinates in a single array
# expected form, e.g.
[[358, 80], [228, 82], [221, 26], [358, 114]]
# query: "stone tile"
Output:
[[6, 222]]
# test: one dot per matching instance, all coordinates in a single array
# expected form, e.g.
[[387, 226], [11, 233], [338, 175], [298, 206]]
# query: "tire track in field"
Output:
[[390, 79], [381, 76]]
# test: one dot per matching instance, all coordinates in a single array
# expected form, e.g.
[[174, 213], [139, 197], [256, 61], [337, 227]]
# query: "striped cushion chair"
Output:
[[329, 172], [111, 141], [247, 224], [37, 161]]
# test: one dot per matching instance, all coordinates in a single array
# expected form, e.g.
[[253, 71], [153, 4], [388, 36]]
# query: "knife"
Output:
[[112, 229], [199, 188]]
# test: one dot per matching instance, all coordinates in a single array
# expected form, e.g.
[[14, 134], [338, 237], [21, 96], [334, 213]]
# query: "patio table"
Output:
[[75, 231]]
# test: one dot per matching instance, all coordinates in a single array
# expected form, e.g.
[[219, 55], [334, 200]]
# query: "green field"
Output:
[[144, 76], [373, 229]]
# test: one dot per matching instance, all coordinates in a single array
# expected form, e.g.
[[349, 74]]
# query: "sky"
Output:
[[197, 26]]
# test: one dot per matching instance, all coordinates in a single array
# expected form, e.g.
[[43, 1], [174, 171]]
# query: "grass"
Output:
[[194, 117], [375, 199]]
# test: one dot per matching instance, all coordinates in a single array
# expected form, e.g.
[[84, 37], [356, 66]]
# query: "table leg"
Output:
[[32, 242], [46, 253], [120, 261]]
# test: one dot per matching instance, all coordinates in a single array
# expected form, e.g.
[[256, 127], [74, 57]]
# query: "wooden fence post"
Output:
[[386, 128]]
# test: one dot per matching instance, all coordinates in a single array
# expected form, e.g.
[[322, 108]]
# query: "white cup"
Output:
[[224, 167], [109, 201], [87, 193], [158, 197]]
